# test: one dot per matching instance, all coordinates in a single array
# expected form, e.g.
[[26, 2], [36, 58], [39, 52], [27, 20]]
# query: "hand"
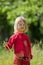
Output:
[[29, 58], [4, 44]]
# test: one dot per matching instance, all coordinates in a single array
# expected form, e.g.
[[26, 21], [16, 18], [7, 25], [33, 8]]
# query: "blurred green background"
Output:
[[32, 10]]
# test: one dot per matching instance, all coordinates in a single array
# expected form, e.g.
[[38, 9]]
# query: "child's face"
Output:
[[21, 26]]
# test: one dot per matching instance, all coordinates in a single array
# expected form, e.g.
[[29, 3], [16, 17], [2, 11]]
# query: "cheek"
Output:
[[18, 26]]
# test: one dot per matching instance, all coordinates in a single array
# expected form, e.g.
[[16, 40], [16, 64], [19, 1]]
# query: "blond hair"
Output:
[[20, 19]]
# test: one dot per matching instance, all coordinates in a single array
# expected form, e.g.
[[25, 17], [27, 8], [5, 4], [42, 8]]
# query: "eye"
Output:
[[20, 24]]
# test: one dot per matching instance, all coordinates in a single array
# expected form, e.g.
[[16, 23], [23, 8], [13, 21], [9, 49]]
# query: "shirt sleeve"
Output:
[[10, 42]]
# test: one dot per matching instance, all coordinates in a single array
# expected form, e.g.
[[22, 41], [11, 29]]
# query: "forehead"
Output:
[[21, 22]]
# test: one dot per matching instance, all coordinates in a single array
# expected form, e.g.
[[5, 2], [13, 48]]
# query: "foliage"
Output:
[[32, 10]]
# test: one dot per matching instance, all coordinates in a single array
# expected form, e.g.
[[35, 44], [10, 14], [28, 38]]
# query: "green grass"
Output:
[[6, 57], [37, 55]]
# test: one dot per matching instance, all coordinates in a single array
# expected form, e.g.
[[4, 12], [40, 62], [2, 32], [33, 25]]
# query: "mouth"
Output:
[[22, 27]]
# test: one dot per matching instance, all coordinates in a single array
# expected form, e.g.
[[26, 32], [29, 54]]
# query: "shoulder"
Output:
[[26, 36], [14, 36]]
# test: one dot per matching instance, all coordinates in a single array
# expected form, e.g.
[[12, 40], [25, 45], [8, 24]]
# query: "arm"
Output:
[[5, 45], [8, 45]]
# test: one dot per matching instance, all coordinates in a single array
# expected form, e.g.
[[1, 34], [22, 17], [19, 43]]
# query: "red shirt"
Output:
[[17, 40]]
